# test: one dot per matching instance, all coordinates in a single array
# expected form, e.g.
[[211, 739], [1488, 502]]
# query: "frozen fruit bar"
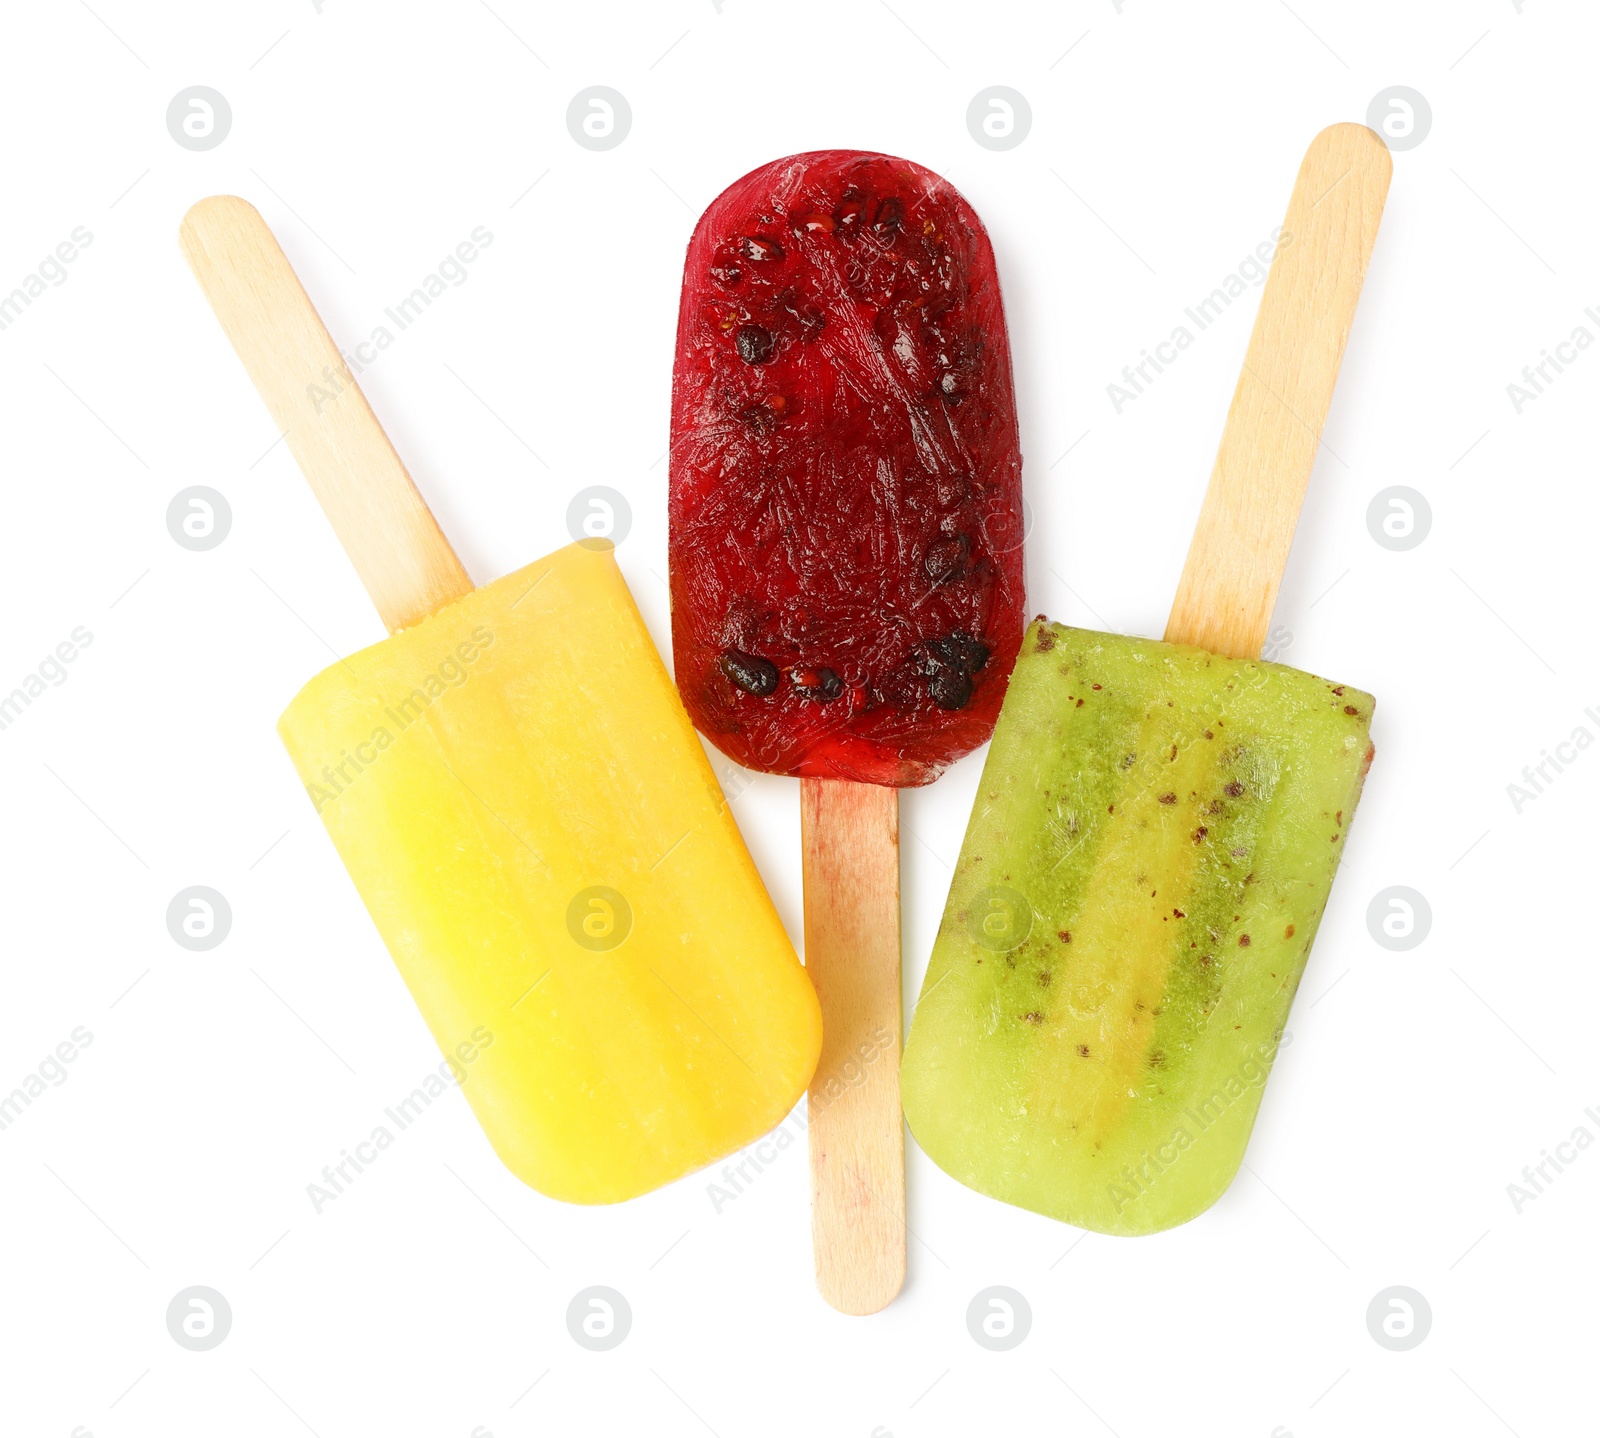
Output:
[[846, 505], [533, 826], [1155, 837]]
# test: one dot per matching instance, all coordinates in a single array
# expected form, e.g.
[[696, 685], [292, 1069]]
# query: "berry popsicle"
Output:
[[847, 588], [524, 807], [846, 503], [1158, 823]]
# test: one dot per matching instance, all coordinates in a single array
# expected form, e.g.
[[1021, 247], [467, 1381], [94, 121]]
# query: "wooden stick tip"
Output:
[[1356, 140]]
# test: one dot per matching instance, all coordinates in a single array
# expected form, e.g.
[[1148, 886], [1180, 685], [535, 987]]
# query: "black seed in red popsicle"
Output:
[[749, 672], [755, 344]]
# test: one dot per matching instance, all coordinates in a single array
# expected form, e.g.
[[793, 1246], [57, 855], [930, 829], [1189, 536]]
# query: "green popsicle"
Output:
[[1158, 823], [1155, 836]]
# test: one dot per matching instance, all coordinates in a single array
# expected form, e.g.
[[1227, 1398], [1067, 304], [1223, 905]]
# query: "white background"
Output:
[[430, 1299]]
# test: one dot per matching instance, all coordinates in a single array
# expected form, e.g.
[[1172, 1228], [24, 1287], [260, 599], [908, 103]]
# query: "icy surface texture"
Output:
[[846, 500]]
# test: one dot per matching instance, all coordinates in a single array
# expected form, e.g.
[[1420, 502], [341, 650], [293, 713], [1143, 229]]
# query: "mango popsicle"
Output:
[[1158, 823], [525, 809]]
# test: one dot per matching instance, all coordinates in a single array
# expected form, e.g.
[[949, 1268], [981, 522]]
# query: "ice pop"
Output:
[[1158, 823], [846, 504], [524, 807], [846, 555]]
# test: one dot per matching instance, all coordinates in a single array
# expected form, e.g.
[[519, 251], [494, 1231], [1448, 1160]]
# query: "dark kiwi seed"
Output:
[[823, 685], [752, 674], [755, 344], [758, 247], [951, 689]]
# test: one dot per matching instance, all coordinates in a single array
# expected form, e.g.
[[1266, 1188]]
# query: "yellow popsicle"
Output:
[[527, 813], [515, 788]]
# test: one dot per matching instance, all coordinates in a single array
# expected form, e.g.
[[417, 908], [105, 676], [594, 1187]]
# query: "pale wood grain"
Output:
[[850, 842], [1241, 544], [386, 528]]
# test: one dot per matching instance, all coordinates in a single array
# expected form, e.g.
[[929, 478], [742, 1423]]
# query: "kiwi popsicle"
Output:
[[1158, 823], [1156, 834]]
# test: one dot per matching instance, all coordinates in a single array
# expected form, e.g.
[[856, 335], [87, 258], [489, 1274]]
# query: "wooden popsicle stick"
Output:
[[1269, 445], [850, 843], [386, 527]]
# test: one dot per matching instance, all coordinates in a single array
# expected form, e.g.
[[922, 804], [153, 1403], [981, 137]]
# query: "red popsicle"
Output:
[[846, 503], [847, 589]]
